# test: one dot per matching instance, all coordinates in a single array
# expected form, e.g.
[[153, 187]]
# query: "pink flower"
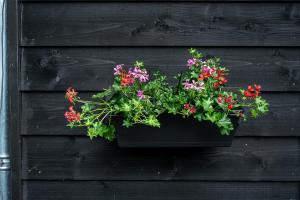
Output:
[[140, 74], [140, 94], [208, 70], [118, 69], [191, 62], [199, 85]]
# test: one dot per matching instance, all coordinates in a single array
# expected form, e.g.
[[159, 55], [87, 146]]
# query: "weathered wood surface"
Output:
[[160, 24], [77, 43], [59, 1], [79, 158], [42, 114], [55, 69], [143, 190]]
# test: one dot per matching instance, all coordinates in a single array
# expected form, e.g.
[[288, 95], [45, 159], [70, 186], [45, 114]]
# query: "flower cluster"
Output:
[[191, 62], [140, 94], [199, 93], [226, 100], [128, 78], [194, 85], [71, 94], [192, 109], [140, 74], [252, 92], [72, 115]]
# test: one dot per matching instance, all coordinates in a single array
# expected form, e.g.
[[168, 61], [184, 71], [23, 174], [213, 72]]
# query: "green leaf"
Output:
[[139, 64], [152, 121], [127, 123], [125, 107], [101, 130], [207, 104]]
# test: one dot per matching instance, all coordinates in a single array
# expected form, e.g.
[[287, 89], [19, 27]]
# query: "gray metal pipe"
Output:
[[4, 149]]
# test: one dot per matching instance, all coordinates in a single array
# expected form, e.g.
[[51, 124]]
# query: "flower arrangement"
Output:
[[199, 93]]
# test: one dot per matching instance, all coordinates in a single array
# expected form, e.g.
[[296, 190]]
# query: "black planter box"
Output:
[[175, 131]]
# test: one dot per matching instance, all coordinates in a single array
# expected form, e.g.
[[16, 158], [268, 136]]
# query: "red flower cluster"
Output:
[[190, 108], [252, 92], [71, 94], [218, 75], [227, 100], [221, 80], [126, 78], [206, 73], [72, 115]]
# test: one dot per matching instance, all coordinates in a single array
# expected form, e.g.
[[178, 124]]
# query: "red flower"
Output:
[[230, 106], [252, 92], [186, 106], [220, 99], [126, 79], [192, 109], [71, 94], [72, 115], [227, 101]]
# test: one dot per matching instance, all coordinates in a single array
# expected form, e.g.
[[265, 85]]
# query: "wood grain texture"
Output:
[[79, 158], [42, 114], [59, 1], [143, 190], [86, 69], [160, 24]]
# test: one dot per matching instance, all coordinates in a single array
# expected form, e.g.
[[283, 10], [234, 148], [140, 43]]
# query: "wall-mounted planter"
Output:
[[175, 131]]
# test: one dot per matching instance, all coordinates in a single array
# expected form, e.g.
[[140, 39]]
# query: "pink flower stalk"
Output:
[[199, 85], [140, 94], [118, 69], [191, 62], [140, 74]]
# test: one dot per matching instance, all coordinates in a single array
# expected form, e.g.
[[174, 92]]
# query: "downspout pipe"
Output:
[[5, 175]]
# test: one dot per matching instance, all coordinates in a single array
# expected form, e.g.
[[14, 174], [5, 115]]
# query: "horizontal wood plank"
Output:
[[160, 24], [86, 69], [79, 158], [47, 1], [136, 190], [42, 114]]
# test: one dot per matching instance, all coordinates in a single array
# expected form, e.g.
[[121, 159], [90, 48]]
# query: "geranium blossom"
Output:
[[192, 109], [126, 79], [140, 94], [118, 69], [140, 74], [72, 115], [71, 94], [191, 62], [252, 92], [194, 85]]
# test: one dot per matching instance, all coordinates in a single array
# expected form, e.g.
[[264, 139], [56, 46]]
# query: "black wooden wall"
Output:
[[77, 43]]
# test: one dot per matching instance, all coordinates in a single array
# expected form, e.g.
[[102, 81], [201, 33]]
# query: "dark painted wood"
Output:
[[79, 158], [59, 1], [42, 114], [160, 24], [10, 46], [136, 190], [77, 43], [55, 69]]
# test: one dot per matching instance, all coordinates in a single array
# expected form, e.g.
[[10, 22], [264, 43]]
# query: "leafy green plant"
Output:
[[199, 93]]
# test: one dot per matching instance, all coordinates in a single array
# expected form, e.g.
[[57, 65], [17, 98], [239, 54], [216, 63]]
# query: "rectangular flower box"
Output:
[[175, 131]]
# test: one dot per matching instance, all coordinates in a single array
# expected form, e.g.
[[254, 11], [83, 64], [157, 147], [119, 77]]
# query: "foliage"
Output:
[[200, 93]]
